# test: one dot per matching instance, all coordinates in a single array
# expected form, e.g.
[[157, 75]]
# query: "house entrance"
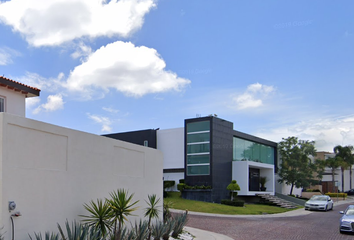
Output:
[[253, 179]]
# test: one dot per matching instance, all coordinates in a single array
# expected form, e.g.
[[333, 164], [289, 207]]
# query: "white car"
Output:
[[347, 220], [319, 202]]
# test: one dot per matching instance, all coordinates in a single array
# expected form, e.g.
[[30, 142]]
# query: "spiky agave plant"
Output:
[[168, 227], [141, 230], [158, 230], [47, 236], [78, 231], [180, 222]]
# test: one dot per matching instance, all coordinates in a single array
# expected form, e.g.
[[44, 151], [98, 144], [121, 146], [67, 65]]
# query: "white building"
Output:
[[51, 171]]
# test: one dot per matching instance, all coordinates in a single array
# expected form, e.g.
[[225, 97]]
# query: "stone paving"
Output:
[[293, 225]]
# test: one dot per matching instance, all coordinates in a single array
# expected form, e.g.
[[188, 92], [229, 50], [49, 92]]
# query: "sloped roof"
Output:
[[19, 87]]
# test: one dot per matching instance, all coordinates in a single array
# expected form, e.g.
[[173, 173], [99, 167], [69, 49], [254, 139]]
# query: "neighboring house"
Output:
[[207, 151], [51, 171]]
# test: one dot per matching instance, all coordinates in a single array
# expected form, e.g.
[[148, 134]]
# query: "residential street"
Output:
[[311, 225]]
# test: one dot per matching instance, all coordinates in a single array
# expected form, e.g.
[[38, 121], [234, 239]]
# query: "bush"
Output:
[[181, 186], [168, 184], [341, 195], [236, 203], [181, 181]]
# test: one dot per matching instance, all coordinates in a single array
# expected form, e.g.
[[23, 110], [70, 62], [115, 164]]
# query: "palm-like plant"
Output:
[[121, 206], [341, 155], [180, 222], [152, 210], [333, 164], [99, 218]]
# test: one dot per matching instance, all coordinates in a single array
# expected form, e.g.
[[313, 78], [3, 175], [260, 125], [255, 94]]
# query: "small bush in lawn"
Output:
[[236, 203]]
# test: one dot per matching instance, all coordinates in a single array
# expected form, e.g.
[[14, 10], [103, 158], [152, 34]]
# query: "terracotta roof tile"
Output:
[[8, 79], [19, 87]]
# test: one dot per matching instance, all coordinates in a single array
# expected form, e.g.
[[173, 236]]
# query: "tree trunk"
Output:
[[342, 180], [291, 189], [333, 188], [350, 176]]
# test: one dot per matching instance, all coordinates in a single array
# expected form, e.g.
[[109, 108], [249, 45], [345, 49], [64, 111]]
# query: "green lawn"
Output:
[[195, 206]]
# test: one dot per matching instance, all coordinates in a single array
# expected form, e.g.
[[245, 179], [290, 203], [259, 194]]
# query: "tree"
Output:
[[296, 168], [121, 206], [152, 210], [345, 157], [333, 164], [233, 186]]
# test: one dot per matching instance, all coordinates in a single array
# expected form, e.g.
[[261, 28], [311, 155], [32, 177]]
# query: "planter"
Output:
[[263, 189]]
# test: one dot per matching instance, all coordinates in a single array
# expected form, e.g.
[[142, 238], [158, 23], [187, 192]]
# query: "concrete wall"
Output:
[[14, 101], [50, 172]]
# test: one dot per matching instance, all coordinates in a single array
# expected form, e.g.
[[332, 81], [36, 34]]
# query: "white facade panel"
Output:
[[15, 102], [50, 172], [171, 143]]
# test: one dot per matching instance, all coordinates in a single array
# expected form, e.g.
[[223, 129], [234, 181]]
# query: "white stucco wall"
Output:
[[15, 102], [171, 143], [50, 172]]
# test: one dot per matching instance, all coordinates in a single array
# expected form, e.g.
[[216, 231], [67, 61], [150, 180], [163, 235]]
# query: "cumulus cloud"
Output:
[[253, 97], [326, 132], [54, 102], [45, 84], [134, 71], [104, 121], [110, 110], [49, 23], [7, 54]]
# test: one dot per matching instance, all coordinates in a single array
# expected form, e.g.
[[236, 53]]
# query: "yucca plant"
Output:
[[47, 236], [166, 210], [152, 210], [2, 234], [180, 221], [121, 206], [99, 218]]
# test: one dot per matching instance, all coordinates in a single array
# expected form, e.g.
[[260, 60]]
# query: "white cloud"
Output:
[[253, 97], [135, 71], [54, 102], [110, 110], [104, 121], [7, 54], [49, 23], [82, 51], [44, 84], [31, 102], [327, 132]]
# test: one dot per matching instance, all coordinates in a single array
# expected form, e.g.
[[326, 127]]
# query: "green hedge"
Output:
[[168, 184], [341, 195], [236, 203]]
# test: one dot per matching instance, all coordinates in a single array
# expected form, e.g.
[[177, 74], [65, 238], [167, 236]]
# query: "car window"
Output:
[[319, 198], [350, 212]]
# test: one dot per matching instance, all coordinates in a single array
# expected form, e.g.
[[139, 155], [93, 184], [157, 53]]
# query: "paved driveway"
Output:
[[315, 225]]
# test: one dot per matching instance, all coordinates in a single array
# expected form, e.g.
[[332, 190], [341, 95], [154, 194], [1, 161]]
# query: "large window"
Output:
[[198, 148], [2, 104], [244, 150]]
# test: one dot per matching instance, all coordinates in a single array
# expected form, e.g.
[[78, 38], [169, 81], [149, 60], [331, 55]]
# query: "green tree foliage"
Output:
[[232, 187], [333, 164], [344, 156], [296, 168]]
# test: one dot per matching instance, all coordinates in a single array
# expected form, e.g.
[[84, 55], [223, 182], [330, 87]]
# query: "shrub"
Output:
[[181, 186], [341, 195], [181, 181], [179, 223], [168, 184], [236, 203]]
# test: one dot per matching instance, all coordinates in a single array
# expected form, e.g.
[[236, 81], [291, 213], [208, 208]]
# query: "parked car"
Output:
[[319, 202], [350, 192], [346, 223]]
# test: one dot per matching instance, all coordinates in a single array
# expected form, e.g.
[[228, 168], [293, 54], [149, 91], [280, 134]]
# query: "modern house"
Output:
[[208, 152], [49, 172]]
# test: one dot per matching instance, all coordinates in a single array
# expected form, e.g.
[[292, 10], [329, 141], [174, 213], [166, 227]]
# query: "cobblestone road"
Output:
[[317, 225]]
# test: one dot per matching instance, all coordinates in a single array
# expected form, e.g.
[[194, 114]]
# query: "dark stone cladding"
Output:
[[137, 137], [221, 150]]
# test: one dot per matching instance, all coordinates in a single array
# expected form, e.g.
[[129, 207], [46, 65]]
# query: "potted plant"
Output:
[[262, 181]]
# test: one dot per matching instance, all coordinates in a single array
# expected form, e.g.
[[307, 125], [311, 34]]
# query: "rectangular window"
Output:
[[2, 104], [198, 148], [146, 143]]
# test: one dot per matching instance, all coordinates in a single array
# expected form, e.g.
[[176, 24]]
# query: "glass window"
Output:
[[2, 104], [196, 159], [244, 150], [198, 148], [198, 126], [198, 137], [198, 170]]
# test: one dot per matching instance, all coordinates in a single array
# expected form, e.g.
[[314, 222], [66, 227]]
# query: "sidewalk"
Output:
[[206, 235]]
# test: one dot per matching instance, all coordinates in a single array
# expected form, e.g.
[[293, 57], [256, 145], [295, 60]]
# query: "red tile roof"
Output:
[[20, 87]]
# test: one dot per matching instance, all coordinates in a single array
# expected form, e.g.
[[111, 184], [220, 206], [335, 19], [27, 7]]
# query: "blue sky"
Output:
[[273, 68]]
